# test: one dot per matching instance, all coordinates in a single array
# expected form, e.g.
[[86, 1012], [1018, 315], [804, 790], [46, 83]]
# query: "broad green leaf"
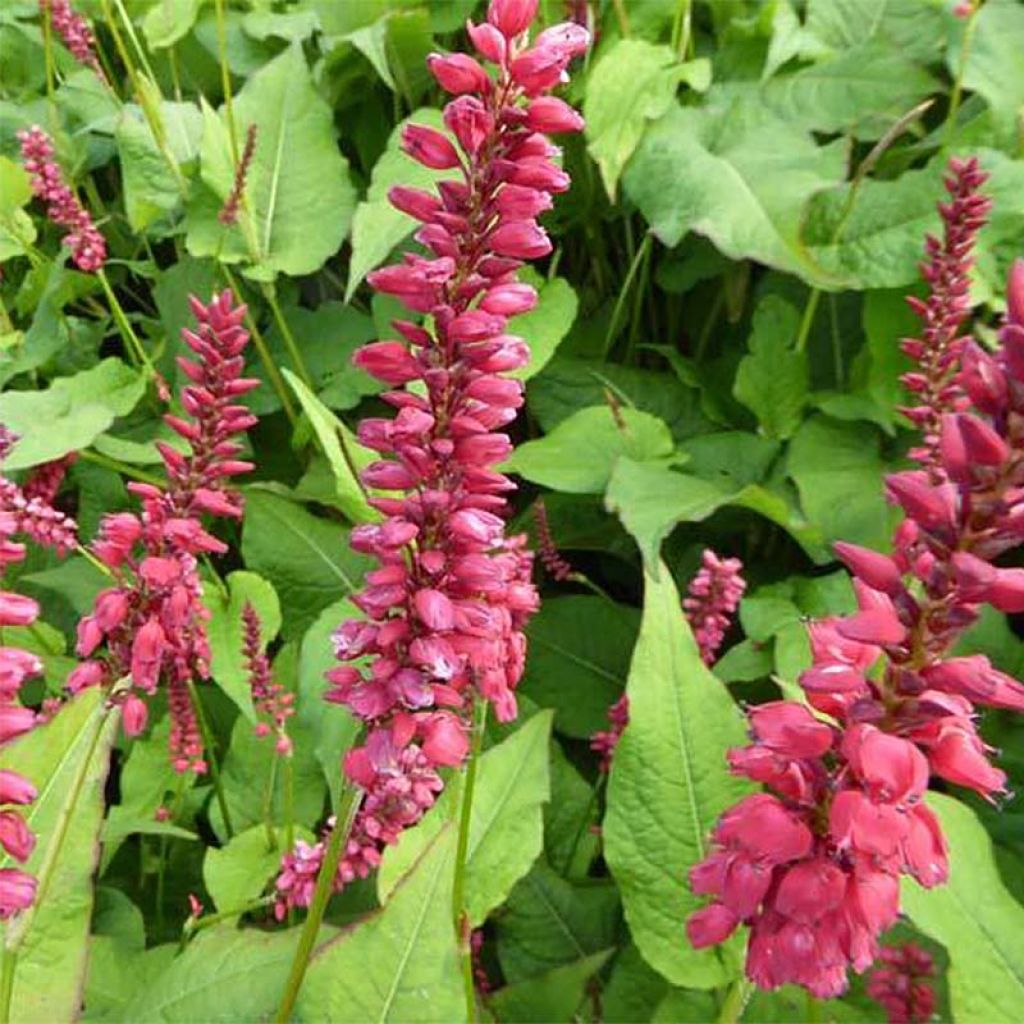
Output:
[[668, 784], [634, 989], [331, 726], [75, 410], [550, 922], [293, 25], [226, 631], [222, 970], [685, 1004], [918, 30], [116, 975], [401, 963], [975, 918], [579, 454], [886, 319], [238, 872], [578, 658], [546, 325], [506, 826], [773, 379], [17, 229], [838, 470], [553, 996], [167, 21], [735, 174], [570, 816], [377, 226], [862, 90], [298, 192], [345, 462], [67, 760], [246, 772], [633, 82], [307, 559]]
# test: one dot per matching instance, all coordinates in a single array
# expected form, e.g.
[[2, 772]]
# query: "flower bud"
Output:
[[551, 115], [511, 17], [429, 147], [458, 73]]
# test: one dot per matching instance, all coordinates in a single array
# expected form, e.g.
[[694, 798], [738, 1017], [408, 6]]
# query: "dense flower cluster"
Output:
[[151, 624], [273, 703], [814, 867], [445, 610], [87, 245], [75, 32], [34, 518], [45, 481], [900, 983], [713, 595], [228, 213]]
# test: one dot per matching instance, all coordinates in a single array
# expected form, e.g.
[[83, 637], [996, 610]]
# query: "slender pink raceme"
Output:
[[273, 703], [445, 609], [814, 867], [228, 213], [901, 984], [74, 31], [550, 557], [87, 245], [713, 596], [150, 625]]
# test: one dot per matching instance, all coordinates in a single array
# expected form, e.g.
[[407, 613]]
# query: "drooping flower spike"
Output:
[[75, 32], [713, 595], [444, 611], [87, 245], [150, 626], [813, 867], [228, 213]]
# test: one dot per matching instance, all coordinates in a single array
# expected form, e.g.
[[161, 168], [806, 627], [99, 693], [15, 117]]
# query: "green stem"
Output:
[[8, 964], [208, 920], [808, 319], [289, 802], [621, 17], [225, 79], [736, 1001], [958, 84], [347, 807], [211, 753], [50, 72], [681, 28], [710, 323], [634, 266], [124, 327], [119, 467], [294, 352], [273, 373], [268, 806], [461, 921]]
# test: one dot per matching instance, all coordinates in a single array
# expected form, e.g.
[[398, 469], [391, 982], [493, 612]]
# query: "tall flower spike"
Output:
[[17, 888], [74, 31], [229, 211], [87, 245], [151, 624], [713, 596], [814, 866], [946, 270], [444, 611]]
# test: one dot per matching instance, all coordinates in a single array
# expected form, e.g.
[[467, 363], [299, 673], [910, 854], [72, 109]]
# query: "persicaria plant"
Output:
[[486, 535]]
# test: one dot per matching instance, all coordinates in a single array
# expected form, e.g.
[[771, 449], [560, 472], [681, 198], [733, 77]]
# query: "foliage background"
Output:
[[748, 210]]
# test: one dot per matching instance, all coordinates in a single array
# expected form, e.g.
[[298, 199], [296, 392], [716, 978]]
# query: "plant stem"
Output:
[[268, 806], [48, 56], [207, 920], [289, 802], [211, 753], [225, 79], [124, 327], [119, 467], [295, 353], [621, 17], [634, 266], [681, 28], [347, 807], [8, 963], [461, 920], [808, 319], [958, 84], [260, 343], [736, 1001]]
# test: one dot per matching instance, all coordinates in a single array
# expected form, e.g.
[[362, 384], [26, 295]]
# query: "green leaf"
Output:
[[67, 760], [331, 434], [578, 658], [570, 843], [307, 559], [298, 192], [245, 774], [75, 410], [168, 21], [668, 784], [634, 989], [773, 379], [633, 82], [331, 726], [917, 30], [377, 226], [546, 325], [220, 971], [837, 470], [579, 454], [401, 963], [237, 873], [506, 826], [736, 174], [975, 918], [554, 996], [550, 922], [862, 90], [226, 632]]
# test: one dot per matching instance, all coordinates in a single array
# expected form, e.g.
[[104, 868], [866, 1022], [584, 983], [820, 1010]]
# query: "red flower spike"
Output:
[[444, 611]]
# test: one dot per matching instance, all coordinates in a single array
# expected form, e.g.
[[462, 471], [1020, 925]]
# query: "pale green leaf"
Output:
[[546, 325], [669, 783], [168, 21], [553, 996]]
